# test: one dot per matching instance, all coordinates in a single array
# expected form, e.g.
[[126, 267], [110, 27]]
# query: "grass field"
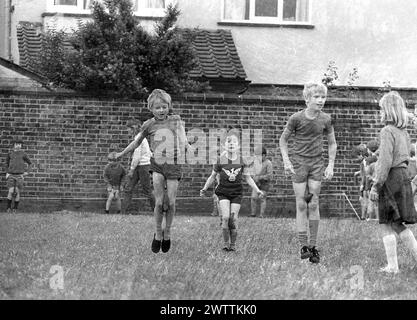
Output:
[[109, 257]]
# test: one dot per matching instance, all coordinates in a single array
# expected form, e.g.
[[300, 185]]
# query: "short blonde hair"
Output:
[[312, 87], [161, 95], [394, 109]]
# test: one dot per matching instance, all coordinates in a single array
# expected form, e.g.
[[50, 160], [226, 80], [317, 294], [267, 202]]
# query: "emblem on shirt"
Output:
[[232, 173]]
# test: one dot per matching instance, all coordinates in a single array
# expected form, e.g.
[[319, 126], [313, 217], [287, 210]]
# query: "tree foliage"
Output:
[[113, 53]]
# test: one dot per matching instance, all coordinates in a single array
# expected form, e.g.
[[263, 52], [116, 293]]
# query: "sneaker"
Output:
[[166, 244], [156, 244], [315, 257], [225, 247], [305, 253], [232, 247], [389, 270], [106, 211], [118, 212]]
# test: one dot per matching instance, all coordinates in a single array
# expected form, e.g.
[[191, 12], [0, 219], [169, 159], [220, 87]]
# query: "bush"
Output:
[[113, 53]]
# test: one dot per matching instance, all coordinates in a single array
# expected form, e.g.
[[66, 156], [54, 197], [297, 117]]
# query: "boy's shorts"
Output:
[[11, 181], [168, 170], [233, 198], [307, 168]]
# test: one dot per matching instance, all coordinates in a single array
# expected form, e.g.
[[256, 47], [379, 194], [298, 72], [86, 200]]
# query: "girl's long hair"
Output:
[[394, 109]]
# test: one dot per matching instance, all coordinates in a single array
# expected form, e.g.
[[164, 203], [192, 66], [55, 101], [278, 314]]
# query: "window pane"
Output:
[[266, 8], [157, 4], [295, 10], [236, 9], [65, 2]]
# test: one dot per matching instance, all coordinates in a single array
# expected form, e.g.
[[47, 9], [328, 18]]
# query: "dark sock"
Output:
[[9, 204], [16, 204]]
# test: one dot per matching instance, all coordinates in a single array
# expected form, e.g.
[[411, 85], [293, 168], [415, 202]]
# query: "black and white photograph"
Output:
[[208, 157]]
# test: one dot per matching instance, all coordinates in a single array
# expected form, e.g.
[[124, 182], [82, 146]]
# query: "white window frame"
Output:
[[267, 20], [79, 8], [154, 12]]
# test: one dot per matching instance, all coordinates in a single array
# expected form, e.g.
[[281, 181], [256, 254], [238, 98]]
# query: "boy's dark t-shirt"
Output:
[[230, 173], [309, 133], [16, 162], [114, 173]]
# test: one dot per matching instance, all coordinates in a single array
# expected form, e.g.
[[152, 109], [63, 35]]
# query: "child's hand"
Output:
[[203, 193], [109, 189], [7, 176], [288, 168], [328, 174], [121, 188], [117, 155], [261, 195], [373, 195], [130, 173], [25, 173]]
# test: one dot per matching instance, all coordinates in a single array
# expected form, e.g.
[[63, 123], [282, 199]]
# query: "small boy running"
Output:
[[232, 170]]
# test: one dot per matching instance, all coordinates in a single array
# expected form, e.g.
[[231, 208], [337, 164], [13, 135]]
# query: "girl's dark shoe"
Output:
[[315, 258], [305, 252], [156, 244]]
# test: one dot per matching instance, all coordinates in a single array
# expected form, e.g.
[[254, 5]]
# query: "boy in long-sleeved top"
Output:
[[139, 168], [114, 173], [16, 170]]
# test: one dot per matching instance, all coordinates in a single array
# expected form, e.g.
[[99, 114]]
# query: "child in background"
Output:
[[307, 163], [392, 188], [114, 174], [262, 171], [372, 208], [232, 170], [360, 153], [15, 172]]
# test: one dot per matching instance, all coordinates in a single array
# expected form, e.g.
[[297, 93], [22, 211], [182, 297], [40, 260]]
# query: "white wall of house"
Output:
[[376, 36]]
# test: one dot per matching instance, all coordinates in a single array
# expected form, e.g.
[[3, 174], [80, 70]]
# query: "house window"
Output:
[[266, 11], [150, 8], [69, 6]]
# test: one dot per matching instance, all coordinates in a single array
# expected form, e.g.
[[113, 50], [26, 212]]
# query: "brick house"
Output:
[[278, 41]]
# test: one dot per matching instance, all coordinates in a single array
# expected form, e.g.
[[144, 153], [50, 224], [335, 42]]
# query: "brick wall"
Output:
[[69, 136]]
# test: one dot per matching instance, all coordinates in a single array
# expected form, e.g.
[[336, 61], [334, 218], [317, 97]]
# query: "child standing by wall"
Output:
[[392, 188], [360, 152], [166, 135], [114, 174], [262, 177], [231, 168], [15, 172], [307, 164]]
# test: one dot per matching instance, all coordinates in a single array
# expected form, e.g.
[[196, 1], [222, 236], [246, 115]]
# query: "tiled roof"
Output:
[[216, 52], [29, 38]]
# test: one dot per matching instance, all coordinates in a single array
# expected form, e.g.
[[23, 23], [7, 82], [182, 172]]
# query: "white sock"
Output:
[[390, 244], [410, 241]]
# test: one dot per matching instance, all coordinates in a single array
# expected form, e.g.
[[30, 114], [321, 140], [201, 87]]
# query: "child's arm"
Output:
[[208, 183], [268, 175], [252, 184], [132, 146], [283, 145], [29, 163], [328, 173]]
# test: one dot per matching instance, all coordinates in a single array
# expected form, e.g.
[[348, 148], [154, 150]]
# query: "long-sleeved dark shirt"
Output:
[[114, 173], [16, 160]]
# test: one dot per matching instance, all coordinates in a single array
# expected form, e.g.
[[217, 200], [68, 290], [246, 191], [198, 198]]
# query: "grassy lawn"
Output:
[[109, 257]]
